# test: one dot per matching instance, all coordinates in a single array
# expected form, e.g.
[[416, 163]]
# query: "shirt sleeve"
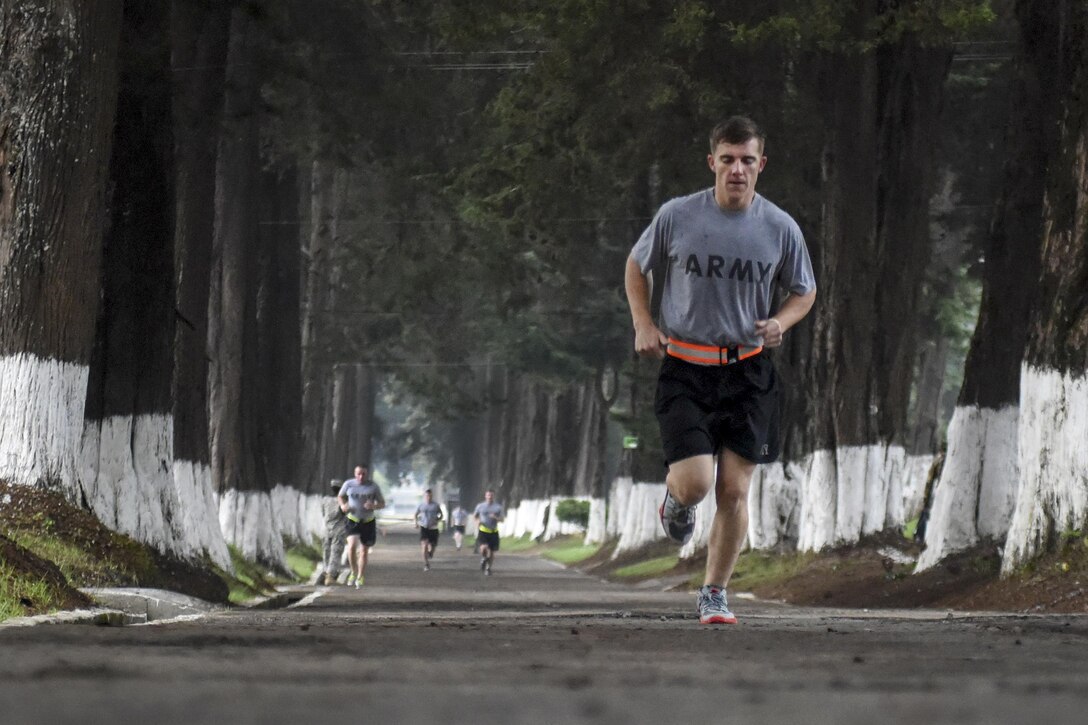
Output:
[[654, 242], [795, 274], [343, 488]]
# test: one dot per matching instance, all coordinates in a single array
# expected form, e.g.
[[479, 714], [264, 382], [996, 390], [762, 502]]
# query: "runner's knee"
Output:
[[689, 484]]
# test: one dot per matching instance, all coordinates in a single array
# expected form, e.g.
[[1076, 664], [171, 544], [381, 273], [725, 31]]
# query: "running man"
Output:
[[718, 254], [428, 514], [488, 514], [359, 499], [458, 518]]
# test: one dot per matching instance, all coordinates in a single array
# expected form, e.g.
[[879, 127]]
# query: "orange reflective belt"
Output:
[[710, 354]]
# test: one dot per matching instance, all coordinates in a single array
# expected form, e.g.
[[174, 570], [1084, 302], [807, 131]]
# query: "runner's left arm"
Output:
[[793, 310]]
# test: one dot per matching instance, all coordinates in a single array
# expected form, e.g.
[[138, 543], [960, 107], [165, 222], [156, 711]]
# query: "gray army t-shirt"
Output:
[[357, 495], [428, 515], [489, 514], [722, 266]]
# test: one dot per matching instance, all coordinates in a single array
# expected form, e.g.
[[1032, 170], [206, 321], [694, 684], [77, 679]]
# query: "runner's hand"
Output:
[[650, 341], [771, 332]]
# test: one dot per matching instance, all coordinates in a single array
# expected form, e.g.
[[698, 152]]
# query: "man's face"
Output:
[[360, 473], [489, 497], [427, 497], [736, 167]]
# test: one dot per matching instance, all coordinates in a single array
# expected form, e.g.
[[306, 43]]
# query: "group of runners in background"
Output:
[[351, 521]]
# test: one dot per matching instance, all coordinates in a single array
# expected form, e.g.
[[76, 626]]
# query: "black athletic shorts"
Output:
[[490, 540], [367, 531], [430, 535], [704, 408], [458, 529]]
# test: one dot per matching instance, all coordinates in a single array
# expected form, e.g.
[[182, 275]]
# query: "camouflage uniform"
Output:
[[335, 529]]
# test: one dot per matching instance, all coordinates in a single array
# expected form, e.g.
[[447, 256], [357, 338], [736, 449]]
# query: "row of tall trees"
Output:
[[1016, 461], [246, 222]]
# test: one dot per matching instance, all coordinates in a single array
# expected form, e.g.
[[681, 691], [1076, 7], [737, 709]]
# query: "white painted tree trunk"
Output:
[[597, 531], [1053, 462], [41, 420], [774, 506], [199, 512], [976, 492], [127, 479], [641, 523], [619, 498], [248, 521], [525, 519], [295, 514], [858, 490]]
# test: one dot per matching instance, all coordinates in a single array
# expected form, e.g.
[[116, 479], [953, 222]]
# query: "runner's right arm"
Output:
[[649, 341]]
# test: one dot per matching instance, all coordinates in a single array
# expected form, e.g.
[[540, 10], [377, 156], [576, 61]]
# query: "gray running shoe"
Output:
[[713, 608], [678, 521]]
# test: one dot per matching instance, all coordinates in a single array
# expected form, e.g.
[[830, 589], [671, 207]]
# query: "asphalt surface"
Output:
[[536, 643]]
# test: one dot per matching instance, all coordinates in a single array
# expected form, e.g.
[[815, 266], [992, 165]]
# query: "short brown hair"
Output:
[[736, 129]]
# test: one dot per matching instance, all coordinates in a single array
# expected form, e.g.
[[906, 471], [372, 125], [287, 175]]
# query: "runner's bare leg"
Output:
[[730, 526]]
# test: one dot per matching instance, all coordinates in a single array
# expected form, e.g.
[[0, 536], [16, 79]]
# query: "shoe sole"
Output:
[[717, 619]]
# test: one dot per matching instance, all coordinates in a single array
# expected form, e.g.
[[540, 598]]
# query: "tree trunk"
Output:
[[1053, 460], [976, 492], [328, 188], [879, 110], [128, 430], [279, 409], [58, 93], [238, 472], [200, 35]]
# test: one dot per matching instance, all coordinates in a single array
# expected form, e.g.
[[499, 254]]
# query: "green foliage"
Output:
[[248, 581], [128, 562], [573, 511], [302, 559], [569, 550], [20, 594], [494, 194], [519, 545], [850, 27], [648, 568], [761, 568]]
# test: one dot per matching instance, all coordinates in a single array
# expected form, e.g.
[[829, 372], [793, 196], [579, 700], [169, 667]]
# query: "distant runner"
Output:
[[428, 514], [488, 514], [359, 499], [718, 256], [459, 518]]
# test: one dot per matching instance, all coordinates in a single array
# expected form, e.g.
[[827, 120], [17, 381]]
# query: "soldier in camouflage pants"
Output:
[[335, 529]]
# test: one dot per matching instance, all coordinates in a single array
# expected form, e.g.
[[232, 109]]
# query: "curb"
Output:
[[99, 617], [143, 605]]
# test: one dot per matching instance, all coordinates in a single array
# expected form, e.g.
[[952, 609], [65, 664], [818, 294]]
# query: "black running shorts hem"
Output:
[[430, 535], [367, 531], [457, 529], [703, 409]]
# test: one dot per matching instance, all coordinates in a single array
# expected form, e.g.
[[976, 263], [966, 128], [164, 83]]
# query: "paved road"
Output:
[[539, 644]]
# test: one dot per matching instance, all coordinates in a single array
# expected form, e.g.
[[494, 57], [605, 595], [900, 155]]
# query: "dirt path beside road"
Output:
[[536, 643]]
